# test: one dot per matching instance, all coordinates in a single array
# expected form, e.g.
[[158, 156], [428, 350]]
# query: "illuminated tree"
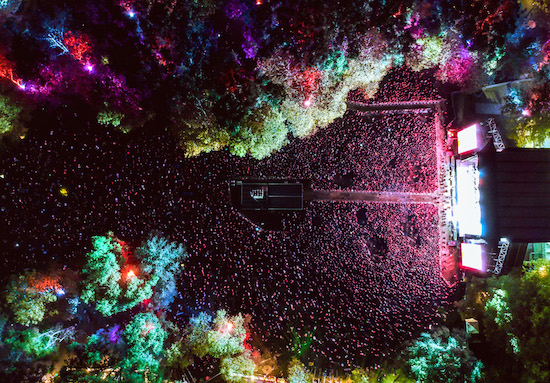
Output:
[[235, 369], [197, 333], [110, 118], [79, 46], [107, 286], [37, 344], [13, 114], [163, 259], [529, 110], [517, 316], [198, 131], [29, 297], [442, 357], [145, 338], [297, 372], [178, 354], [9, 7], [219, 337], [55, 38], [262, 132], [458, 65], [455, 63], [315, 96], [359, 375], [102, 271], [425, 53], [227, 336]]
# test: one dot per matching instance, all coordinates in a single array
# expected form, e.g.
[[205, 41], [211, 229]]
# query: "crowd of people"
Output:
[[402, 85], [386, 153], [325, 274]]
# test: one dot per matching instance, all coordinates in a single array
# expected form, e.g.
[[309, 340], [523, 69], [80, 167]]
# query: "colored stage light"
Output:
[[472, 257], [467, 139]]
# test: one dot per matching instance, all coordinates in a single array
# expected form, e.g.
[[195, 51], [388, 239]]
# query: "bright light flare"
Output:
[[228, 327], [131, 14], [130, 274], [60, 292], [467, 139], [472, 257], [89, 67], [307, 102], [526, 113]]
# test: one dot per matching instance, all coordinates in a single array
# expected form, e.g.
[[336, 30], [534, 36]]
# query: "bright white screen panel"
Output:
[[472, 257], [467, 209], [467, 139]]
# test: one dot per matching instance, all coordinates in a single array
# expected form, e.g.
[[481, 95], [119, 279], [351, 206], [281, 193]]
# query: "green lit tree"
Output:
[[29, 297], [528, 109], [518, 317], [297, 372], [145, 338], [226, 338], [108, 117], [197, 331], [105, 284], [239, 368], [262, 132], [442, 357], [102, 271], [219, 337], [13, 114], [38, 344]]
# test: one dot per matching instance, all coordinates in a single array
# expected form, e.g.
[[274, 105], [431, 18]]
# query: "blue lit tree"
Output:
[[163, 259]]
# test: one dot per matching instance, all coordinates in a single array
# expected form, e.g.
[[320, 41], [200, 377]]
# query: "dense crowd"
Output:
[[376, 153], [402, 84], [360, 290]]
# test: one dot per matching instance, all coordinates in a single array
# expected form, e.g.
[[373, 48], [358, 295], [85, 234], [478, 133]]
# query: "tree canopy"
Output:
[[117, 279], [442, 357], [517, 316], [29, 297]]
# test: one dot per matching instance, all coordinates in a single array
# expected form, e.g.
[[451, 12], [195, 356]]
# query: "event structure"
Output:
[[501, 200]]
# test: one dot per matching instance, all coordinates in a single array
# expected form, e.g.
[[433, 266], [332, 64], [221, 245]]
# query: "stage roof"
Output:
[[515, 194]]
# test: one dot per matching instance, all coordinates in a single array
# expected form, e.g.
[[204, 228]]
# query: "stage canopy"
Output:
[[514, 190]]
